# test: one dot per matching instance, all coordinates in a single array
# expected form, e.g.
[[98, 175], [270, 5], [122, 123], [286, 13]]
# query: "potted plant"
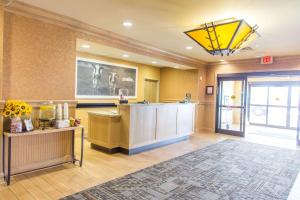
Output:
[[15, 110]]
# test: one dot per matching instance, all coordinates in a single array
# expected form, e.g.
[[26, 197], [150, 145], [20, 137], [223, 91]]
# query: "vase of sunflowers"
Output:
[[15, 110]]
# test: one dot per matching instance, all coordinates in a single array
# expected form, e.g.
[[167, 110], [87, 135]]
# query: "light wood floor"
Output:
[[99, 167]]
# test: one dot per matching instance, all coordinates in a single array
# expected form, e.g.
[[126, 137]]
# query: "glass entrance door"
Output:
[[231, 106]]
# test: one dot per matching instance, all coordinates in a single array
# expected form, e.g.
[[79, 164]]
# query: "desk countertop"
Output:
[[105, 114]]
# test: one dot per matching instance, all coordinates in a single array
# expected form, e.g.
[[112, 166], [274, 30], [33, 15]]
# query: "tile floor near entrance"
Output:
[[99, 167]]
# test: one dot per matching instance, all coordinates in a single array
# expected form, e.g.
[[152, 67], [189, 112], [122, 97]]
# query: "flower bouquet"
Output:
[[15, 110]]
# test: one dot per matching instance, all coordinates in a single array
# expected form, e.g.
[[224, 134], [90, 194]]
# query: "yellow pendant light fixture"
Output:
[[223, 37]]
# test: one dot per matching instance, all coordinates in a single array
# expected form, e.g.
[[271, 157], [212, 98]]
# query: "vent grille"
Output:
[[245, 49]]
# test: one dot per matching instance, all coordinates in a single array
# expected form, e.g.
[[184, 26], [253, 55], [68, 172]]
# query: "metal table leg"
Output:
[[3, 154], [73, 147], [9, 161], [82, 145]]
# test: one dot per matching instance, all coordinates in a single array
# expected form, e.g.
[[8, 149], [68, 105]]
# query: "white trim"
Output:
[[106, 63]]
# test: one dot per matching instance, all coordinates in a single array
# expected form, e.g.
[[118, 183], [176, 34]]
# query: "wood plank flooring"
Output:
[[99, 167]]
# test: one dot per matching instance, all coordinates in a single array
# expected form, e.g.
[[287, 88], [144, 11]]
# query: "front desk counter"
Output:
[[140, 127]]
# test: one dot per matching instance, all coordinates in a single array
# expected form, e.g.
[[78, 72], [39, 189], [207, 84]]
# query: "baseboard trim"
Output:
[[106, 150], [206, 130], [153, 146], [139, 149]]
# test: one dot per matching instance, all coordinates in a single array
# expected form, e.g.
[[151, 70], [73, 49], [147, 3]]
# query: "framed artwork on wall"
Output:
[[99, 79], [209, 90]]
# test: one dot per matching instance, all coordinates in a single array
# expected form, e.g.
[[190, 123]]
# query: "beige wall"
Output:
[[39, 60], [280, 64], [175, 83], [200, 119], [1, 49]]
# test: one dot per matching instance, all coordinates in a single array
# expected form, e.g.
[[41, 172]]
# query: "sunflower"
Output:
[[28, 109], [22, 107], [17, 113], [8, 105], [7, 113], [15, 108]]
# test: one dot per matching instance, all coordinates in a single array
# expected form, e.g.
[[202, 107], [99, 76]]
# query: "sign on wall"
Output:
[[98, 79], [266, 60]]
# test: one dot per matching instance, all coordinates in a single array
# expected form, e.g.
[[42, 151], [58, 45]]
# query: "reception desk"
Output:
[[140, 127]]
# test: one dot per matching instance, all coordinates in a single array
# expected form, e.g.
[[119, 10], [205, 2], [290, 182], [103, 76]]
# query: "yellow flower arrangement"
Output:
[[15, 108]]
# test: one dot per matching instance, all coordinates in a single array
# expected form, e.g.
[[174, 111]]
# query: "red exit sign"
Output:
[[266, 60]]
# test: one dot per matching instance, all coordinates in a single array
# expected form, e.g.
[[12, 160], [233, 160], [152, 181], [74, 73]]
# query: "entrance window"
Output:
[[277, 116], [295, 96], [258, 114], [260, 96], [278, 96], [274, 105], [293, 117]]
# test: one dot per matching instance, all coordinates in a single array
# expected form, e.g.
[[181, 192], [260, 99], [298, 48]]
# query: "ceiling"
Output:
[[102, 50], [161, 23]]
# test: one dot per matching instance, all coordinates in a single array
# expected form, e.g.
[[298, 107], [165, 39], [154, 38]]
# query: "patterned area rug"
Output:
[[234, 170]]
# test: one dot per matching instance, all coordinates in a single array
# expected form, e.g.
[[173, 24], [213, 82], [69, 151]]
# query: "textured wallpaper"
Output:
[[39, 60]]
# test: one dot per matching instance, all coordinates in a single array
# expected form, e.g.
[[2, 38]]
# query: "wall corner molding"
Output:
[[105, 37]]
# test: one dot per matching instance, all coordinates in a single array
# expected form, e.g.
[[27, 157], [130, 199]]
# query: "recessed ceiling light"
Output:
[[222, 60], [188, 47], [86, 46], [154, 62], [125, 55], [127, 24], [176, 67]]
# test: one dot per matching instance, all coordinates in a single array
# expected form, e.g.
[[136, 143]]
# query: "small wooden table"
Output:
[[10, 137]]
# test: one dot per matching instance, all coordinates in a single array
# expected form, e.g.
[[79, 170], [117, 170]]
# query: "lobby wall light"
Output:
[[223, 37], [125, 56], [154, 62]]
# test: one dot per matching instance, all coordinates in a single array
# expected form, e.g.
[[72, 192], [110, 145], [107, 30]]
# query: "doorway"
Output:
[[231, 103], [151, 90], [260, 104]]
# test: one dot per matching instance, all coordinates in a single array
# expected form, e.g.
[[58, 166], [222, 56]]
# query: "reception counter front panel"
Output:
[[142, 126], [166, 125]]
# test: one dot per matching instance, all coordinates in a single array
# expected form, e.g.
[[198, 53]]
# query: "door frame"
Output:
[[246, 75], [157, 89], [242, 107]]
